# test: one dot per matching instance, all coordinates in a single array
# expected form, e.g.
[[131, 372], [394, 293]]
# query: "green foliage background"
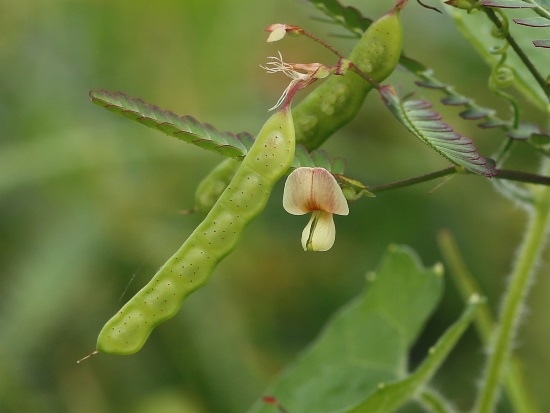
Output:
[[91, 202]]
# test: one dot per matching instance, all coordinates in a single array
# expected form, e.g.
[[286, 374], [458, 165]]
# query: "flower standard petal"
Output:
[[277, 33], [327, 194], [320, 232], [311, 189], [278, 30], [297, 191]]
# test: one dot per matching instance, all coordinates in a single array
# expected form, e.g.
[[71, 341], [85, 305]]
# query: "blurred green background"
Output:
[[91, 205]]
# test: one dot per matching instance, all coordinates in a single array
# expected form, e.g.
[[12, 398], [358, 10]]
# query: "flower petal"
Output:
[[311, 189], [327, 193], [297, 191], [320, 232], [276, 34]]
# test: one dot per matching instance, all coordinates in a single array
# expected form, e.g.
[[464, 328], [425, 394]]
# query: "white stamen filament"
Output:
[[278, 65]]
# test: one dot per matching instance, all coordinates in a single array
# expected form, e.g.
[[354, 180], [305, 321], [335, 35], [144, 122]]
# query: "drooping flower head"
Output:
[[315, 190]]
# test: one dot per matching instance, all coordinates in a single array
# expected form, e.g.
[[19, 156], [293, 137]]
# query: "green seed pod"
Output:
[[214, 238], [211, 187], [338, 99]]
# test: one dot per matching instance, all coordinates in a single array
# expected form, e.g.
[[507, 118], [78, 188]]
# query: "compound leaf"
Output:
[[426, 125], [185, 128]]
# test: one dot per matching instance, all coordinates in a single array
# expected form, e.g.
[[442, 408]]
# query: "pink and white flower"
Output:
[[315, 190]]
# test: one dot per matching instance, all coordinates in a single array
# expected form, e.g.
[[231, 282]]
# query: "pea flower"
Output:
[[315, 190]]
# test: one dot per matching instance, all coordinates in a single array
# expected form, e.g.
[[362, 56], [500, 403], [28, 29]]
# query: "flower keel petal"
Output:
[[320, 232]]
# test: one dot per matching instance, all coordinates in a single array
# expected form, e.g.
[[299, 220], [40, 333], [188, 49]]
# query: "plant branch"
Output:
[[507, 174], [520, 176], [413, 181]]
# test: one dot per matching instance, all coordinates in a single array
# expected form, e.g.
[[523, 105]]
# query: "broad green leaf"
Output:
[[426, 125], [366, 343], [389, 396]]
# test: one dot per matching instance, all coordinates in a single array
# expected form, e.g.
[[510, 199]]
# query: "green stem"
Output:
[[433, 402], [465, 283], [520, 281], [506, 174], [520, 176], [413, 181], [516, 387]]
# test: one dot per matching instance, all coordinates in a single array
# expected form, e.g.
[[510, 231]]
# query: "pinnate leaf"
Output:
[[185, 128], [203, 135], [426, 125], [533, 21], [366, 343], [347, 16], [542, 43]]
